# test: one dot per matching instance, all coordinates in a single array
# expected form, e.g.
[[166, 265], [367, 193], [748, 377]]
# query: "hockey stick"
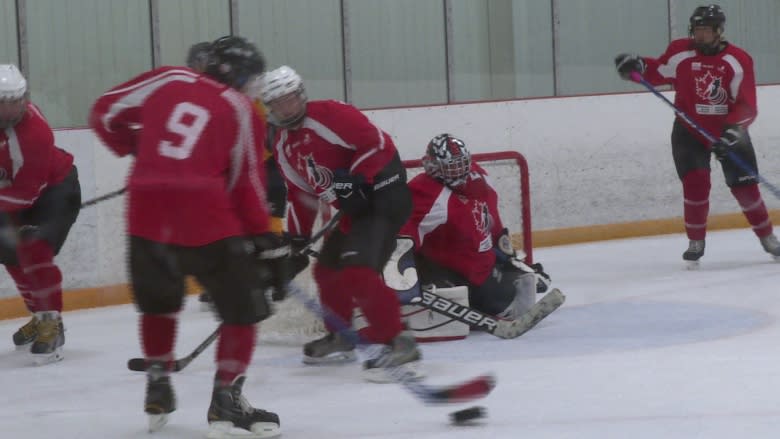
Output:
[[499, 327], [105, 197], [712, 139], [141, 364], [469, 390]]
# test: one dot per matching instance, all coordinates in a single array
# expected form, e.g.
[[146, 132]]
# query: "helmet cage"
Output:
[[447, 159]]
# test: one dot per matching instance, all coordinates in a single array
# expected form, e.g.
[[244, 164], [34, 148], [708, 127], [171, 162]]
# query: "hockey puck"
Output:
[[466, 416]]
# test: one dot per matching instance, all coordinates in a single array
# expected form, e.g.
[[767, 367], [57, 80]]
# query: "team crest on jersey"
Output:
[[484, 222], [316, 175], [710, 88]]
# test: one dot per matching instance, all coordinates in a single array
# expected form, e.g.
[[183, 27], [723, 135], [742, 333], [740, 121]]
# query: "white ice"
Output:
[[641, 349]]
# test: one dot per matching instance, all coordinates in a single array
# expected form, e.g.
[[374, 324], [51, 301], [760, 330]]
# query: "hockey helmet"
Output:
[[447, 159]]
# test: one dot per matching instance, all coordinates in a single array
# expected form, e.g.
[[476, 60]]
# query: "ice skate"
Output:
[[402, 351], [205, 301], [693, 254], [47, 347], [160, 399], [26, 334], [230, 415], [331, 349], [771, 245]]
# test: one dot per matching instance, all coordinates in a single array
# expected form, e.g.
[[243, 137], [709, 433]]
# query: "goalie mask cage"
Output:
[[507, 172]]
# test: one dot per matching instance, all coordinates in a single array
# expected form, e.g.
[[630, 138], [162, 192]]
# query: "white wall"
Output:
[[593, 160]]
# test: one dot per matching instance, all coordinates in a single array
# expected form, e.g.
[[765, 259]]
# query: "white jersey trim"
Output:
[[669, 70], [436, 216], [739, 74]]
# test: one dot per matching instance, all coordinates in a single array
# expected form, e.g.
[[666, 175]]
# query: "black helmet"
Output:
[[711, 15], [198, 56], [234, 61]]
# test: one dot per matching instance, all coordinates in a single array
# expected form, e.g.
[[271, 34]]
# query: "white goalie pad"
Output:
[[427, 325], [430, 326]]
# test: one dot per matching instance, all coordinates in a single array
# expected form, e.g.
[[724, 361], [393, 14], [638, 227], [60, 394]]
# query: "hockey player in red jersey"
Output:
[[196, 200], [714, 84], [40, 198], [330, 151], [459, 238]]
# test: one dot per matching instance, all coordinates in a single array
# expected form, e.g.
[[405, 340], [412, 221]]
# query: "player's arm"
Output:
[[743, 108], [31, 177], [657, 71]]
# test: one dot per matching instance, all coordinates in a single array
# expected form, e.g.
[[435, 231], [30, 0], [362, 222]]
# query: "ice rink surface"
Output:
[[641, 349]]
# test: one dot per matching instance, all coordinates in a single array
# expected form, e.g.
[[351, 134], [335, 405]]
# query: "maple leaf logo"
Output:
[[710, 88]]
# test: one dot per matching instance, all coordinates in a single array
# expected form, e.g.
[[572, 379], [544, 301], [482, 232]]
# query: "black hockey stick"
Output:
[[469, 390], [105, 197], [499, 327], [141, 364]]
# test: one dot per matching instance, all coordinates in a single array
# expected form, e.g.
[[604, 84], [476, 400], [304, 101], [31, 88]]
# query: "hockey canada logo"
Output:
[[484, 223], [319, 177], [710, 88]]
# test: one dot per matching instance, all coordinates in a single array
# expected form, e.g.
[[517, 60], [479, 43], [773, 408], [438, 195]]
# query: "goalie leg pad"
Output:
[[428, 326]]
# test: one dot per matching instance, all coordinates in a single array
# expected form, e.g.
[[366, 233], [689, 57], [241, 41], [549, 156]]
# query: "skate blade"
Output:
[[692, 265], [43, 359], [156, 422], [334, 358], [225, 430], [23, 347], [412, 371]]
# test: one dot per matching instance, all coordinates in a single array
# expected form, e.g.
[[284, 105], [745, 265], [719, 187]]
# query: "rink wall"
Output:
[[600, 168]]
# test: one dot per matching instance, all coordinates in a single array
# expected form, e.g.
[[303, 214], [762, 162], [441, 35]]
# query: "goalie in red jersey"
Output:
[[459, 238]]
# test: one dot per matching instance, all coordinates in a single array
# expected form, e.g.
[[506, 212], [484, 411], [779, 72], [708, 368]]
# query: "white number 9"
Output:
[[189, 131]]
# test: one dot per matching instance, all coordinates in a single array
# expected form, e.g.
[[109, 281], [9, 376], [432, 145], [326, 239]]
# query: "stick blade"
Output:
[[476, 388]]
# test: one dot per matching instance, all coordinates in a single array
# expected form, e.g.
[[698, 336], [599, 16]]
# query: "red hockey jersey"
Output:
[[715, 91], [29, 161], [456, 229], [334, 136], [198, 146]]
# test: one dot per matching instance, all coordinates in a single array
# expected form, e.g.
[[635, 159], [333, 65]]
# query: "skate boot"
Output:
[[26, 334], [160, 399], [47, 347], [384, 367], [230, 410], [331, 349], [694, 253], [771, 245], [206, 304]]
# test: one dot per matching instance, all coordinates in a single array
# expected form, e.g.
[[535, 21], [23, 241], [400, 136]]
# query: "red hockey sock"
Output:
[[158, 335], [696, 192], [22, 284], [234, 351], [335, 295], [36, 258], [749, 199], [378, 302]]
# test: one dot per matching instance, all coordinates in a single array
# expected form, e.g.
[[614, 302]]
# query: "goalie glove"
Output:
[[273, 253]]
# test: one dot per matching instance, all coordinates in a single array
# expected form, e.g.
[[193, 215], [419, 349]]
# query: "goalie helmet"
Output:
[[283, 93], [447, 159], [13, 95], [234, 61]]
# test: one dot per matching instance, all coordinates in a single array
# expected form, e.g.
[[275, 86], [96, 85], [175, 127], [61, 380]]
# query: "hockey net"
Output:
[[293, 324]]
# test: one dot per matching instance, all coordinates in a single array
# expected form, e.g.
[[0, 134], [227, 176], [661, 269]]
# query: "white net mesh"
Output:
[[293, 324]]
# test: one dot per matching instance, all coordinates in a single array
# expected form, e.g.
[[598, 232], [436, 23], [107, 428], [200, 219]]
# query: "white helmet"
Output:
[[280, 82], [13, 95], [13, 86]]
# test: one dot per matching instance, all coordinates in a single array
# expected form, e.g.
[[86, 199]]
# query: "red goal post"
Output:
[[508, 173]]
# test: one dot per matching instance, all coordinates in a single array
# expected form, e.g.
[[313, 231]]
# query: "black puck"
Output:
[[465, 416]]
